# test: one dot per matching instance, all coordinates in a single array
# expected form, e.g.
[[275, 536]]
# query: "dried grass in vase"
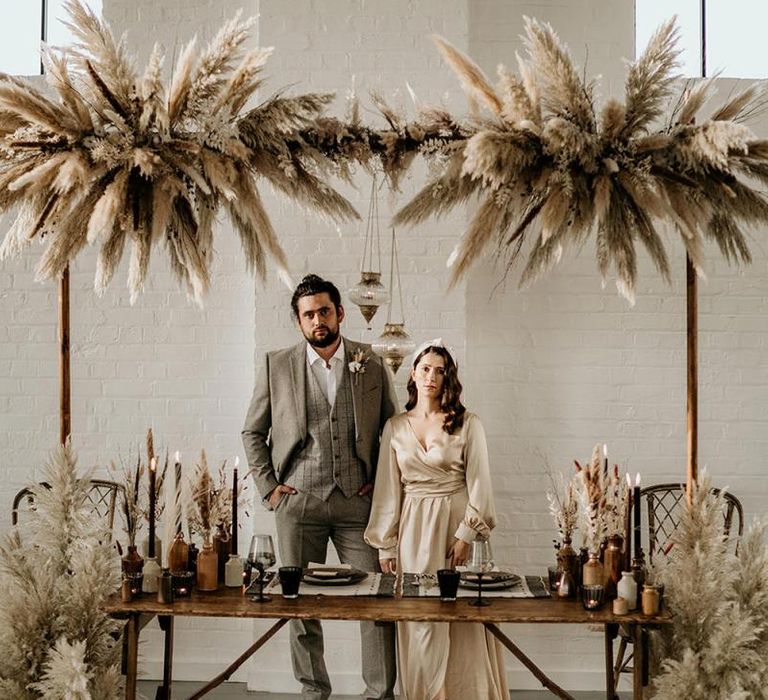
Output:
[[563, 506], [615, 510], [159, 480], [132, 508], [590, 481], [211, 503]]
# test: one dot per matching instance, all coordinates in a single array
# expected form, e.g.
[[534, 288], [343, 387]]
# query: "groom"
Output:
[[312, 440]]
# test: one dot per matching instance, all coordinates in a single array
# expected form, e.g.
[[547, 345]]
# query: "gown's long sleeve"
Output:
[[480, 514], [384, 521]]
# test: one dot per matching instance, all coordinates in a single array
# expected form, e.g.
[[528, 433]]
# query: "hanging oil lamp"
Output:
[[394, 344], [369, 293]]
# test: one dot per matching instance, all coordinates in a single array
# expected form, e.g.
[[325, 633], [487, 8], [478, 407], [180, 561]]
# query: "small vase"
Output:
[[233, 572], [592, 571], [178, 555], [223, 546], [612, 565], [627, 589], [566, 587], [151, 572], [165, 587], [651, 599], [132, 565], [568, 560], [207, 568]]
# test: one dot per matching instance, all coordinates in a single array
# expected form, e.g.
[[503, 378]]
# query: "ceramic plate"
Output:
[[493, 580], [329, 576]]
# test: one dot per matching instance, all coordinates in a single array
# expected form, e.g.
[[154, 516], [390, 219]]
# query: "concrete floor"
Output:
[[237, 691]]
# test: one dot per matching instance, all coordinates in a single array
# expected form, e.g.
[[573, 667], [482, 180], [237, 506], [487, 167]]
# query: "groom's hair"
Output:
[[311, 285]]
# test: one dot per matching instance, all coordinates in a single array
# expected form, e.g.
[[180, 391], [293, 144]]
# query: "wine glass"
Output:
[[261, 554], [480, 561]]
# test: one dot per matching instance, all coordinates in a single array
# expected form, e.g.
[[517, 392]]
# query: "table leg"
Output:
[[131, 642], [637, 662], [165, 690], [611, 630], [532, 667]]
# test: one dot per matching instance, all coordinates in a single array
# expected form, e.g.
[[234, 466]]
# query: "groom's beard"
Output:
[[323, 340]]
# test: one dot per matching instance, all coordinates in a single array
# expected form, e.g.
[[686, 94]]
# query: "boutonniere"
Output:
[[359, 361]]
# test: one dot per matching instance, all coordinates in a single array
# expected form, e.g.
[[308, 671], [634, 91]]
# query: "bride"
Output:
[[431, 499]]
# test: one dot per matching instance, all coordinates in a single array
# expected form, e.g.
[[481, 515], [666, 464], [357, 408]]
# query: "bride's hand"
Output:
[[388, 566], [457, 554]]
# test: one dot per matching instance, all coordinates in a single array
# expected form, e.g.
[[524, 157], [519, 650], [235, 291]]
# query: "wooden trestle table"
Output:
[[231, 603]]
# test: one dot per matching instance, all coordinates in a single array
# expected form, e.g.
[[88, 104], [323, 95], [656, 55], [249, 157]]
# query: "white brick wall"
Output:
[[551, 369]]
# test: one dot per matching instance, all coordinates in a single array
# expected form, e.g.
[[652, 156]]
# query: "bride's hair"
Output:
[[450, 399]]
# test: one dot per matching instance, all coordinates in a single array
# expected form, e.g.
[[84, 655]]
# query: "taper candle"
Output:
[[177, 475], [234, 508], [628, 527], [636, 510], [152, 483]]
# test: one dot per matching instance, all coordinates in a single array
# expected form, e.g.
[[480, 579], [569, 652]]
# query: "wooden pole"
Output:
[[65, 413], [692, 330]]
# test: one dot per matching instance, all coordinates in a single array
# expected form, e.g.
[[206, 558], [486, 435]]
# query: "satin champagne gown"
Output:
[[425, 496]]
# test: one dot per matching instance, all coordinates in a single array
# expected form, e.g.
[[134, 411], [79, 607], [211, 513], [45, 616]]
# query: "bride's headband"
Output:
[[434, 343]]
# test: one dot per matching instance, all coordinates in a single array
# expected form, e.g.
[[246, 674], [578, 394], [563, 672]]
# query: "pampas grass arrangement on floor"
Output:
[[718, 643], [54, 574]]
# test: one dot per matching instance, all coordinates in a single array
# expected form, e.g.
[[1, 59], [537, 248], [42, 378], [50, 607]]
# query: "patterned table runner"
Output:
[[425, 586], [380, 585]]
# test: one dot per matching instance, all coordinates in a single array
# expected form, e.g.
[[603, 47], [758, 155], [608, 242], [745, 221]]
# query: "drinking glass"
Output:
[[480, 562], [290, 580], [448, 581], [261, 555]]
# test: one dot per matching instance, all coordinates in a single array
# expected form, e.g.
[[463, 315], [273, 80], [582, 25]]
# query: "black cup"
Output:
[[290, 578], [448, 580]]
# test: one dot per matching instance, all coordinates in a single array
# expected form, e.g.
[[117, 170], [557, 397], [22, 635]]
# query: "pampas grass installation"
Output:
[[717, 644], [121, 161], [54, 576], [547, 165]]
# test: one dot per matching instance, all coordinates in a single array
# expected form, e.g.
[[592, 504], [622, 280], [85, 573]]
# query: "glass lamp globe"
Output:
[[394, 345], [369, 294]]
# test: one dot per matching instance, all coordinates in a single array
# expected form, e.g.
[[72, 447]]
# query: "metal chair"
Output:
[[101, 498], [664, 505]]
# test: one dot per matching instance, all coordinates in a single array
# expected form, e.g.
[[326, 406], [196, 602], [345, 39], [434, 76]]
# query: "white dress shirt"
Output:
[[328, 374]]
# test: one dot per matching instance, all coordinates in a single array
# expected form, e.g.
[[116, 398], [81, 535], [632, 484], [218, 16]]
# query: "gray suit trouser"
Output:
[[304, 526]]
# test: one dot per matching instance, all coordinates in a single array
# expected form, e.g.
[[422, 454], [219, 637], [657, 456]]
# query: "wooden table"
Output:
[[230, 603]]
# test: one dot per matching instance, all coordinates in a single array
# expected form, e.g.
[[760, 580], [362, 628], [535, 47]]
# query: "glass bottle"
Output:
[[592, 571], [651, 599], [207, 568], [178, 555], [612, 565], [568, 560]]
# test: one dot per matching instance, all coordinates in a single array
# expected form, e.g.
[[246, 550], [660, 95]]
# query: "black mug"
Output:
[[290, 578], [448, 581]]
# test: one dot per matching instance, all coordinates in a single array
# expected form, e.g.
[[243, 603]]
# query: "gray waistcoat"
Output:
[[327, 459]]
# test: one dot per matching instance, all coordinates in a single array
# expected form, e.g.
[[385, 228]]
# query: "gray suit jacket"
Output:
[[276, 424]]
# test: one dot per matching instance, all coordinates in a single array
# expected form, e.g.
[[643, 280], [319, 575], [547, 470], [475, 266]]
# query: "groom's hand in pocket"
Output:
[[278, 493]]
